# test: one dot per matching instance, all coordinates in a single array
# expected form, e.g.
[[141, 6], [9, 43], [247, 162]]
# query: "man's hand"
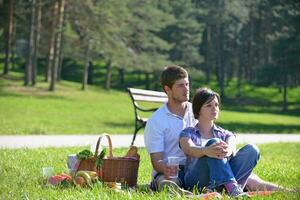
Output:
[[168, 171], [160, 166]]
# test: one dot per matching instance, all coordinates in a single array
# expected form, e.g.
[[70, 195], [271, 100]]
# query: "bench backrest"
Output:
[[139, 95], [147, 95]]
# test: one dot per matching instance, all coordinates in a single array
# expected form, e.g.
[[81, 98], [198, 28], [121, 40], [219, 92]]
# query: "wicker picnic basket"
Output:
[[114, 169]]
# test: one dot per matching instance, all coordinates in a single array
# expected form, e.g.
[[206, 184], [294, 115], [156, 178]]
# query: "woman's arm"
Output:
[[189, 148]]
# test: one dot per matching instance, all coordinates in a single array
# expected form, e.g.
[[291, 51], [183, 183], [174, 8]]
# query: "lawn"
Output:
[[68, 110], [21, 178]]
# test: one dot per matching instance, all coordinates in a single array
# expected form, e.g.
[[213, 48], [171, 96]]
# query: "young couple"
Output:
[[208, 156]]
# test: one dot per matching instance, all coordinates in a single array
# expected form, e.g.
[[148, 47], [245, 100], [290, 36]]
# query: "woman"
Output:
[[212, 160]]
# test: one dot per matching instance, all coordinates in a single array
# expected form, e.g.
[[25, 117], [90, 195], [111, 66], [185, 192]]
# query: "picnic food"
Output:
[[114, 185], [110, 168], [93, 175], [84, 154], [99, 159], [80, 181], [85, 176], [59, 179], [132, 152]]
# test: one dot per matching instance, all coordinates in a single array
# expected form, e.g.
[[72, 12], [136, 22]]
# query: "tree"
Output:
[[37, 30], [108, 75], [86, 66], [223, 22], [51, 43], [9, 33], [32, 46], [184, 33], [287, 62], [34, 39], [225, 39], [61, 55], [57, 47], [283, 68]]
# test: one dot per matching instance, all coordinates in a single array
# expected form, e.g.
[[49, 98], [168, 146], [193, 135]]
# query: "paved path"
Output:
[[35, 141]]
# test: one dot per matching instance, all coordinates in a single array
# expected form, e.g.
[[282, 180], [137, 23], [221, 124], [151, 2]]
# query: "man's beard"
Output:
[[180, 100]]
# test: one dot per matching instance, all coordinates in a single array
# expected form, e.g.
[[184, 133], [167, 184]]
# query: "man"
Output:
[[163, 128]]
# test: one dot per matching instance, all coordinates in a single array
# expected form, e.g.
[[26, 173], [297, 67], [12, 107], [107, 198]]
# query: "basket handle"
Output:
[[110, 155]]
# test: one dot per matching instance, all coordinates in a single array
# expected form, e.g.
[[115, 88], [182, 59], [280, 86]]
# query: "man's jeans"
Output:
[[212, 173]]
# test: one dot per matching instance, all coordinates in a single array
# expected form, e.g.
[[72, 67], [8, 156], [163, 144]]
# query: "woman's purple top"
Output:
[[194, 134]]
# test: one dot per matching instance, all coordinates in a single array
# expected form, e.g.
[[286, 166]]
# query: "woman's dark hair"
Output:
[[202, 96]]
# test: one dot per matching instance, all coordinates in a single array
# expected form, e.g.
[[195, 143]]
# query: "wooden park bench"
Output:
[[139, 95]]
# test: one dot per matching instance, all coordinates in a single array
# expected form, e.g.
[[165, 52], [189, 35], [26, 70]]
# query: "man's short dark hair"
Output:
[[171, 74], [202, 96]]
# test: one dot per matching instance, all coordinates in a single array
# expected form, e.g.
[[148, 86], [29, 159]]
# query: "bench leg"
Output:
[[135, 132], [137, 128], [133, 139]]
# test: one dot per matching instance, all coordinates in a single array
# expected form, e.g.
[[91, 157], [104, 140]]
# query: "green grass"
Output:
[[21, 178], [257, 99], [259, 122], [68, 110]]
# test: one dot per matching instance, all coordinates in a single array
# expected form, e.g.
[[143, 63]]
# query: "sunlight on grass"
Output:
[[258, 122], [68, 110], [20, 173]]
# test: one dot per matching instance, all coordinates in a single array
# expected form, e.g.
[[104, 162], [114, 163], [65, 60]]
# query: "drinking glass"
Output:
[[173, 163]]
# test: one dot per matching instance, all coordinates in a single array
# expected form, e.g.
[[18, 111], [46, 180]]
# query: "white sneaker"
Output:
[[237, 191], [173, 188]]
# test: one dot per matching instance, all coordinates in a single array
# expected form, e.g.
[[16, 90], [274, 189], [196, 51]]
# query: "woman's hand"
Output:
[[217, 150], [227, 149]]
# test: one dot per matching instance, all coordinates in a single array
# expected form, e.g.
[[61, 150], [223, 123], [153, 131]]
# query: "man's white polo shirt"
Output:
[[163, 129]]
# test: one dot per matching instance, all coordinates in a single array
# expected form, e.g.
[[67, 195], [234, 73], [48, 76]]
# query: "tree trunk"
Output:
[[60, 65], [31, 48], [86, 67], [229, 72], [239, 78], [108, 75], [13, 46], [155, 80], [285, 102], [9, 38], [147, 80], [50, 56], [61, 55], [57, 48], [220, 60], [121, 77], [250, 52], [91, 73], [208, 52], [38, 19], [58, 36]]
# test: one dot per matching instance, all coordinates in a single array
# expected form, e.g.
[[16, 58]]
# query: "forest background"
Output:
[[235, 47]]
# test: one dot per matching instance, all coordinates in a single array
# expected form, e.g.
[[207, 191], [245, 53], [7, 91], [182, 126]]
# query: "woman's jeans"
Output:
[[212, 173]]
